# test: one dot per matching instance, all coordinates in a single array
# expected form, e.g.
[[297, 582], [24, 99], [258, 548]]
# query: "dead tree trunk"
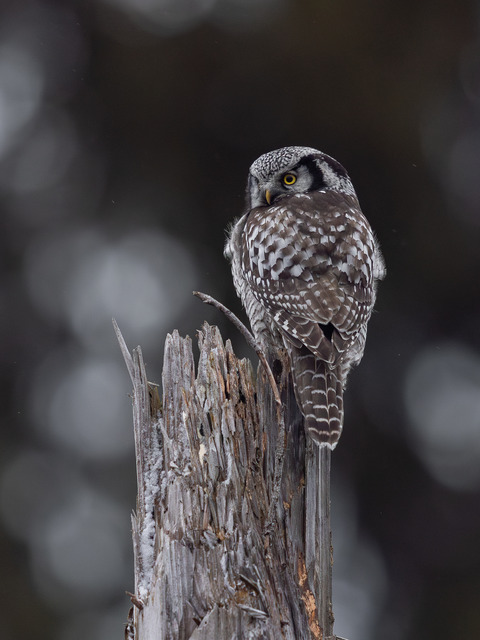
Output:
[[204, 567]]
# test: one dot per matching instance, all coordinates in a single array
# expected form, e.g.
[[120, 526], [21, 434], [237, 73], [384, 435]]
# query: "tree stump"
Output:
[[207, 563]]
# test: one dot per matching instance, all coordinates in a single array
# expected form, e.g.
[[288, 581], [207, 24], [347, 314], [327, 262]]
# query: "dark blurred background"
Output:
[[126, 131]]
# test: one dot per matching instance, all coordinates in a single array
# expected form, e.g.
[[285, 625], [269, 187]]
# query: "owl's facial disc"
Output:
[[265, 191]]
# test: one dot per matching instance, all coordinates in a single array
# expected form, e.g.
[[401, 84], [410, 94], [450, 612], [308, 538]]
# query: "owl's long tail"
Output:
[[319, 393]]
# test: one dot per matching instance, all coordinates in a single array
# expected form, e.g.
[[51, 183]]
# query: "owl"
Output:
[[305, 265]]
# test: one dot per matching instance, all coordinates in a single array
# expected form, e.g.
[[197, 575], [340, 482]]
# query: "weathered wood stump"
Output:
[[205, 568]]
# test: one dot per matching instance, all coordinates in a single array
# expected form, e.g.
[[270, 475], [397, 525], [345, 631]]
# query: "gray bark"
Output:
[[204, 567]]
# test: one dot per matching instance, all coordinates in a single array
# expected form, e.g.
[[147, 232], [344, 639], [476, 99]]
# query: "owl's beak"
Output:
[[268, 196]]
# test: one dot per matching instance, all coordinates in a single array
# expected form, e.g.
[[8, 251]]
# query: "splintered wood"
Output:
[[204, 567]]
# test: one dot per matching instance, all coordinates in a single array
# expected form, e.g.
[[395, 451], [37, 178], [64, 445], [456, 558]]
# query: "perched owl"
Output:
[[305, 264]]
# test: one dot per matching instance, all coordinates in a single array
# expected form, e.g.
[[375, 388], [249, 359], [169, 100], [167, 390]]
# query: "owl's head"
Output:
[[293, 170]]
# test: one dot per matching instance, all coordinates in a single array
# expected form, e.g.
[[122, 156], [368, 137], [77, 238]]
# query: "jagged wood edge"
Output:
[[280, 449], [144, 391]]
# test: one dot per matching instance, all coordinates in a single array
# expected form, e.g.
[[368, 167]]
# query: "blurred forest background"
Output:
[[126, 131]]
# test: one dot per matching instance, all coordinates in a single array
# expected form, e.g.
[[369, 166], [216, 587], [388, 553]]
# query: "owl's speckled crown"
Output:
[[280, 158], [330, 173]]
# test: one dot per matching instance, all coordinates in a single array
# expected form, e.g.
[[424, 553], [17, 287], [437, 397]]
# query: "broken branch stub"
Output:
[[204, 567]]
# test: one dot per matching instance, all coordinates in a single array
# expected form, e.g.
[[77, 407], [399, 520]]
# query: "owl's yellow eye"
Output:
[[289, 179]]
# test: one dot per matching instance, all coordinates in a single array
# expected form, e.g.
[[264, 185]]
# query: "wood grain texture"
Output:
[[204, 569]]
